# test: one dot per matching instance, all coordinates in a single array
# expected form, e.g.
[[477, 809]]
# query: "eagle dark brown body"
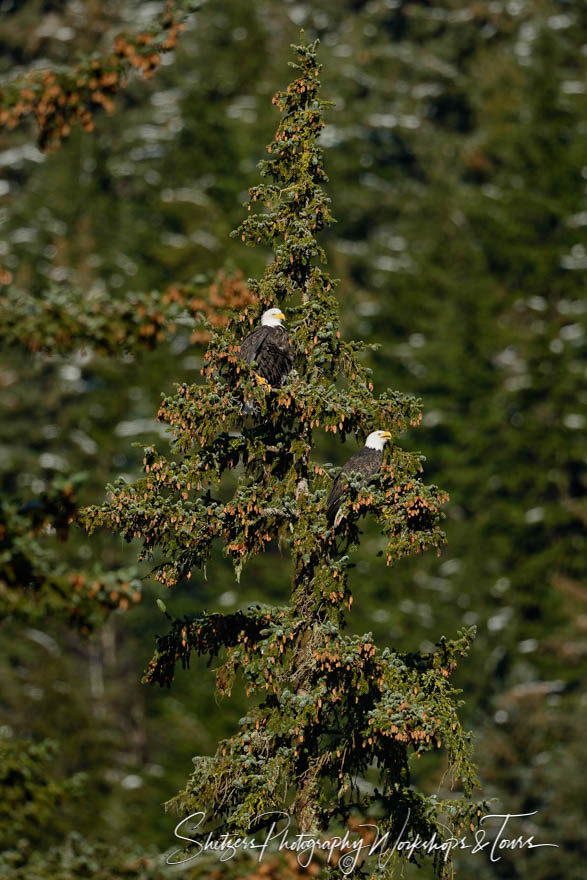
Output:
[[271, 350], [365, 462]]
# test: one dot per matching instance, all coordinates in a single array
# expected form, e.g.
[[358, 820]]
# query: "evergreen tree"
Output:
[[335, 710]]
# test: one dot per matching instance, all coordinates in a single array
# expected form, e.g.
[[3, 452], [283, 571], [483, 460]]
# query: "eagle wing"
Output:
[[271, 349], [252, 343], [334, 499], [365, 462]]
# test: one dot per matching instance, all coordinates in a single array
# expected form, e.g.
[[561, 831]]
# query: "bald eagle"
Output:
[[270, 348], [366, 462]]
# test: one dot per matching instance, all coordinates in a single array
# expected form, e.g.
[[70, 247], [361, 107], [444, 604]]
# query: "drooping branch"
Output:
[[59, 99], [64, 318]]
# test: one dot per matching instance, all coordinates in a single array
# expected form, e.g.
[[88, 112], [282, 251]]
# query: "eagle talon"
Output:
[[261, 381]]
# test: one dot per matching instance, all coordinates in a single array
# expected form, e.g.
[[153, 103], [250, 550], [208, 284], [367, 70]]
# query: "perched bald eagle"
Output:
[[366, 462], [270, 348]]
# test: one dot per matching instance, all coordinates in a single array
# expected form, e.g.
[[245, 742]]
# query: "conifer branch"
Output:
[[59, 99]]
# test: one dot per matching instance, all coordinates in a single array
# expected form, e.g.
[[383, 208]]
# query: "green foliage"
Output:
[[34, 582], [65, 320], [455, 153], [31, 799]]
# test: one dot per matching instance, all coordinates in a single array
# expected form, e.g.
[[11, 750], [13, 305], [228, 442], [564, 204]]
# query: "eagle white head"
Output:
[[272, 318], [377, 439]]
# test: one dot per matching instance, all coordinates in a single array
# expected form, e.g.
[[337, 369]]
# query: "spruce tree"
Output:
[[334, 721]]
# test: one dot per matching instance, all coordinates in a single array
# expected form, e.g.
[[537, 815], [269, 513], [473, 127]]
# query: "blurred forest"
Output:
[[456, 156]]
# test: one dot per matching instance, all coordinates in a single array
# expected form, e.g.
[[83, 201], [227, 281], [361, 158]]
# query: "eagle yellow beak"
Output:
[[386, 435], [281, 316]]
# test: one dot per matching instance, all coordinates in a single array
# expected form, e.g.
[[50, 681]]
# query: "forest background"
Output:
[[455, 152]]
